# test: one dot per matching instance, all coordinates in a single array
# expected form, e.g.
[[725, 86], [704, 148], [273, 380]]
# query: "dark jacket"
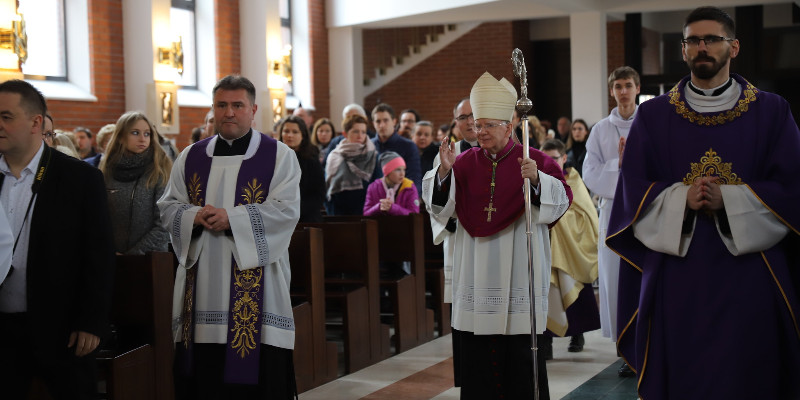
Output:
[[70, 267], [312, 189]]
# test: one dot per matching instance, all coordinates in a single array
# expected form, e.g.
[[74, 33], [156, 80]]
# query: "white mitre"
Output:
[[493, 99]]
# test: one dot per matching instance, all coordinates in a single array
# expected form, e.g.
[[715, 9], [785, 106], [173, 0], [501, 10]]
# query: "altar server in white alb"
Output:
[[600, 173], [231, 205], [483, 189]]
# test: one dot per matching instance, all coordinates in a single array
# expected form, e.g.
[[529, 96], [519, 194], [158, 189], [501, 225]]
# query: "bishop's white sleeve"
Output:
[[553, 199], [261, 232], [6, 245], [753, 227], [659, 227], [440, 215], [177, 213], [600, 173]]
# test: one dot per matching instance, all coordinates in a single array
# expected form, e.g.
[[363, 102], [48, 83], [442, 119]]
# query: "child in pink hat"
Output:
[[393, 194]]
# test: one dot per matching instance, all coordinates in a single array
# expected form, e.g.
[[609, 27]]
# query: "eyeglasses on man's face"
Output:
[[464, 117], [489, 125], [49, 135], [709, 40]]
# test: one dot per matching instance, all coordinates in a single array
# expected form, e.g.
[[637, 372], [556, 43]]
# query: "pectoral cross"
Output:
[[490, 211]]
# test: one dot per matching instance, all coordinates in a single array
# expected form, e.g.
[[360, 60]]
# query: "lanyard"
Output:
[[37, 181]]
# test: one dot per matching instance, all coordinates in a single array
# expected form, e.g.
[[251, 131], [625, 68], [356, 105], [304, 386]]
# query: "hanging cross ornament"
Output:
[[490, 210]]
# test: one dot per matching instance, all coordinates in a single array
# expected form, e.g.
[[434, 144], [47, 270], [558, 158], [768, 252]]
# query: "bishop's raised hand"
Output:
[[447, 157]]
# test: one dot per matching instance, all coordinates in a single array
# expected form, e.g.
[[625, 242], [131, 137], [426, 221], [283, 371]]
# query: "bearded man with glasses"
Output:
[[705, 219]]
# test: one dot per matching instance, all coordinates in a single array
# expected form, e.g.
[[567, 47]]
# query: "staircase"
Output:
[[388, 53]]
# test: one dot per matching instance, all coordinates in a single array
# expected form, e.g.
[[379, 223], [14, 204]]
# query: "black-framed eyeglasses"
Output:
[[49, 135], [709, 40], [464, 117]]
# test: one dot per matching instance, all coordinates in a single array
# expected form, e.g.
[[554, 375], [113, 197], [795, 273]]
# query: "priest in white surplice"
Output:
[[483, 189], [231, 205]]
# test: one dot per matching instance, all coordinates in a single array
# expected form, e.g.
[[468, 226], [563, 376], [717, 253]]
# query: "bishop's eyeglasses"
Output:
[[709, 40], [485, 127]]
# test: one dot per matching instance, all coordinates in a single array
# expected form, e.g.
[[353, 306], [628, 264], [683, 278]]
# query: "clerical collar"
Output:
[[713, 91], [234, 147], [721, 102]]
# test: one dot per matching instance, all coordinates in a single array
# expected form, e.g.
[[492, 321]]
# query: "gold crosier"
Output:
[[246, 283], [492, 185]]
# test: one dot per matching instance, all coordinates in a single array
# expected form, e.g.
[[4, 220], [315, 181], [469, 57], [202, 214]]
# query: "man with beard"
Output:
[[706, 219]]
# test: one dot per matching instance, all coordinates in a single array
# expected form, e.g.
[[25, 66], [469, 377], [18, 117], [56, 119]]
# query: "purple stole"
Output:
[[246, 292]]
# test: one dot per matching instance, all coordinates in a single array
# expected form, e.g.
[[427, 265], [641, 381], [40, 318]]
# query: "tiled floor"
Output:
[[425, 373]]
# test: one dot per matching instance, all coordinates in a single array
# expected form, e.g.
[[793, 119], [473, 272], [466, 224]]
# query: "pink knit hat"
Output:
[[391, 161]]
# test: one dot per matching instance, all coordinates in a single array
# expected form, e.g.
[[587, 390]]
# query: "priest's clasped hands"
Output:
[[215, 219], [705, 194]]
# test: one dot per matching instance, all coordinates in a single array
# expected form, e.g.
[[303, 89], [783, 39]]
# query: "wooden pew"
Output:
[[351, 279], [141, 365], [303, 354], [315, 357], [402, 239], [434, 277]]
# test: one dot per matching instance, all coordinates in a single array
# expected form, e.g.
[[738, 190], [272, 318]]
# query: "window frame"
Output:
[[190, 5], [65, 45]]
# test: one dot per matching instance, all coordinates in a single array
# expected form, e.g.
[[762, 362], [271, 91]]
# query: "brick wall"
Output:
[[320, 75], [435, 86], [108, 72], [382, 45]]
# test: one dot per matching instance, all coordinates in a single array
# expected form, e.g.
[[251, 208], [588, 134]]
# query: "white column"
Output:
[[259, 32], [143, 24], [588, 62], [346, 70], [301, 53]]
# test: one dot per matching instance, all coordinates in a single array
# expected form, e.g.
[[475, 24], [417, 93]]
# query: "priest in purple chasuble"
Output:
[[483, 189], [231, 205], [706, 222]]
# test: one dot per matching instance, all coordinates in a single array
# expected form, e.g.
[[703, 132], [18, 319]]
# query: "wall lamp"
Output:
[[172, 56], [15, 38], [282, 66]]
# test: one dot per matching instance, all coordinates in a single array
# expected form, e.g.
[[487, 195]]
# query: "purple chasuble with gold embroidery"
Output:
[[473, 175], [246, 291], [710, 325]]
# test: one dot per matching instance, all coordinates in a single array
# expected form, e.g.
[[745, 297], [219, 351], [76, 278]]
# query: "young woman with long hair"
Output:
[[136, 170]]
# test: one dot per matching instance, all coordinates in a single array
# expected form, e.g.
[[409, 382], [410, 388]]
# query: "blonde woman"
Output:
[[136, 171]]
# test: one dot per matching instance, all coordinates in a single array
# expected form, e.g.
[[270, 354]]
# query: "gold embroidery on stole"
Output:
[[195, 190], [246, 309]]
